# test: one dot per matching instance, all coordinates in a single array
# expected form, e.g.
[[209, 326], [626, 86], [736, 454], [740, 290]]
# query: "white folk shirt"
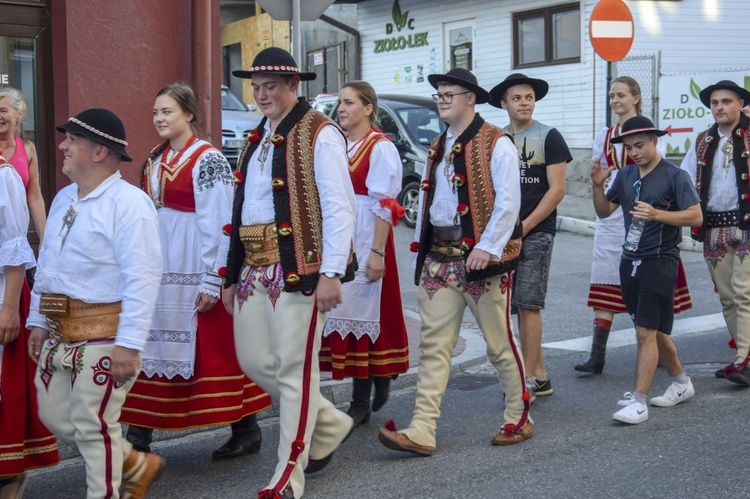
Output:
[[722, 193], [506, 181], [337, 200], [111, 253]]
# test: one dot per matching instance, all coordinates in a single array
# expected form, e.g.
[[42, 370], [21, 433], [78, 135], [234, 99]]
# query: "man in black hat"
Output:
[[95, 292], [290, 249], [542, 156], [718, 166], [657, 198], [468, 240]]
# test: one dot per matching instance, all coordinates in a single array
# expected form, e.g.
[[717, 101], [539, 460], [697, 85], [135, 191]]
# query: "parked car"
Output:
[[412, 123], [237, 119]]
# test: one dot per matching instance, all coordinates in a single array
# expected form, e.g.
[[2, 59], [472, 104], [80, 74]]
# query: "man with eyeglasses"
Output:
[[718, 166], [468, 240], [657, 199], [542, 156]]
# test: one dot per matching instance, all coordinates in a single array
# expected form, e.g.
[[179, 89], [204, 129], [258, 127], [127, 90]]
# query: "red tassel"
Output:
[[526, 396], [414, 246], [268, 494], [732, 344], [390, 425]]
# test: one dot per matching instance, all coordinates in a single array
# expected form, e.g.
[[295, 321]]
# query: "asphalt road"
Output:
[[696, 449]]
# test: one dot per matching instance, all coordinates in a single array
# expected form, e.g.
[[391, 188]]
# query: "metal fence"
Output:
[[645, 70]]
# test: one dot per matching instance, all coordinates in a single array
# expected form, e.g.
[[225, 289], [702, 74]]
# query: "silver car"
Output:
[[237, 119]]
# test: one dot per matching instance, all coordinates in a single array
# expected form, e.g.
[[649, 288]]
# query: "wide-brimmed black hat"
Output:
[[705, 94], [462, 77], [540, 87], [100, 125], [636, 125], [274, 61]]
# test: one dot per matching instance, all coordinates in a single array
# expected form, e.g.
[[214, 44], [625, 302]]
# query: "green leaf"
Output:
[[396, 12], [695, 90], [687, 145], [672, 150]]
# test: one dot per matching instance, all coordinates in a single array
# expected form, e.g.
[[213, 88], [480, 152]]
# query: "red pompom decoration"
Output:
[[467, 243], [277, 183], [696, 231], [425, 185], [459, 179], [526, 396], [414, 247], [390, 425], [277, 140], [732, 344], [298, 445], [222, 272], [709, 139], [227, 230], [253, 136], [458, 149], [740, 132], [238, 177], [462, 209], [702, 162], [285, 230], [292, 278], [432, 153]]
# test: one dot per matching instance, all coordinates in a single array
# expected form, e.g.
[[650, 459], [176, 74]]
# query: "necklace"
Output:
[[265, 146], [176, 159], [728, 150], [68, 219], [355, 144]]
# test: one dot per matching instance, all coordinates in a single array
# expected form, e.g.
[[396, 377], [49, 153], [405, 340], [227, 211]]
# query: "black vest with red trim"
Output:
[[472, 155], [705, 148]]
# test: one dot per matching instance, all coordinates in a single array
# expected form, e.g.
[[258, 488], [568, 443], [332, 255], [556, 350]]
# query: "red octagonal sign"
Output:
[[611, 29]]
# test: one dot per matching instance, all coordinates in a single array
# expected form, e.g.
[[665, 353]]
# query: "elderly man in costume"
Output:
[[290, 250], [718, 167], [91, 307], [468, 240]]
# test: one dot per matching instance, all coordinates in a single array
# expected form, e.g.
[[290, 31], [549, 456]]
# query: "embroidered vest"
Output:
[[610, 152], [472, 154], [705, 149], [359, 164], [295, 198], [175, 183]]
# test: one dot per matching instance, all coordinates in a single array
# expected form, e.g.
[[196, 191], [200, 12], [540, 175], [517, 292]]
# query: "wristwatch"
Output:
[[331, 275]]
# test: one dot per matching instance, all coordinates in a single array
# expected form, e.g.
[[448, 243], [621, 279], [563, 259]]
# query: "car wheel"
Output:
[[409, 199]]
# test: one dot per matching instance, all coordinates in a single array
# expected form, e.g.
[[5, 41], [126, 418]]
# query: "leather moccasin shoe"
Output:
[[516, 437], [395, 440], [239, 445], [740, 374]]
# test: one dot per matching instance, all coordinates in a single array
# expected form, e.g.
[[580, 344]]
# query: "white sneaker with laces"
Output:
[[675, 394], [632, 413], [627, 399]]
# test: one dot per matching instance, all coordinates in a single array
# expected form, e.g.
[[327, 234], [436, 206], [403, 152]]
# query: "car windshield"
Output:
[[230, 102], [423, 124]]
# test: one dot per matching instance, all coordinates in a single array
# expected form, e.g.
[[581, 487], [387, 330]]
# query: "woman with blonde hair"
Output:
[[365, 337], [190, 375]]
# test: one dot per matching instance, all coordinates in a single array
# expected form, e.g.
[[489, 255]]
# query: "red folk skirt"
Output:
[[25, 443], [609, 296], [389, 355], [217, 393]]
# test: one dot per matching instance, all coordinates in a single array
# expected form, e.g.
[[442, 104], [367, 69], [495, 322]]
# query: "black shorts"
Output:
[[648, 292]]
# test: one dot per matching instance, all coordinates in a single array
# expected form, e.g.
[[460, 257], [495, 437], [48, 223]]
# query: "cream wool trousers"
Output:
[[443, 295], [277, 338], [80, 403]]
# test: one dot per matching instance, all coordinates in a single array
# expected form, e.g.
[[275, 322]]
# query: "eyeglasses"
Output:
[[637, 187], [447, 98]]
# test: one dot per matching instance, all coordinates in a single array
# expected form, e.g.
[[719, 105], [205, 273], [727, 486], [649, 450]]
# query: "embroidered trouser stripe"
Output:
[[441, 307], [80, 404], [727, 253], [277, 346]]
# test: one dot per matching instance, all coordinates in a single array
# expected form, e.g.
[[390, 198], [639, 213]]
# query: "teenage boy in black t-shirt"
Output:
[[542, 156], [662, 196]]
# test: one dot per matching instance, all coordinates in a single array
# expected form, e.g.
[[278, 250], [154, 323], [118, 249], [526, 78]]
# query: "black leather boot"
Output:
[[246, 439], [359, 409], [140, 437], [595, 362], [382, 390]]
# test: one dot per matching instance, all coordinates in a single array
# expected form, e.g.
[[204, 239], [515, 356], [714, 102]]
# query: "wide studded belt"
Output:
[[261, 244], [722, 218], [70, 320], [446, 244]]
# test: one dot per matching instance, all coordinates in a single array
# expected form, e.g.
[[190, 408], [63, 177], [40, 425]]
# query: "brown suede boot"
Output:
[[138, 472]]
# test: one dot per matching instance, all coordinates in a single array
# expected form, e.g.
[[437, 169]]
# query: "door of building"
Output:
[[458, 45], [329, 64]]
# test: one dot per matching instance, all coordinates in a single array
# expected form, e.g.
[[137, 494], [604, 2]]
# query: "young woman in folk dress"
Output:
[[190, 375], [365, 337], [604, 292]]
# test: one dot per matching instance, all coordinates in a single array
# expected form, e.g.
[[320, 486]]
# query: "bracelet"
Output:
[[379, 252]]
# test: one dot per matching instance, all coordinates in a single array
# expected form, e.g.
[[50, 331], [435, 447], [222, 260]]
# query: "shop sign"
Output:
[[4, 79], [401, 21]]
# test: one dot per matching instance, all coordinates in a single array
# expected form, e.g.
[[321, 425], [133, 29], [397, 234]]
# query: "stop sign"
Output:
[[611, 29]]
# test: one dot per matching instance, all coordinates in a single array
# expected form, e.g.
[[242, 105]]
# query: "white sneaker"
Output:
[[627, 399], [633, 413], [675, 394]]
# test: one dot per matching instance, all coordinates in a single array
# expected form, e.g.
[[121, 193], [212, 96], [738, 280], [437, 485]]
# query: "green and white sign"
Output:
[[404, 34]]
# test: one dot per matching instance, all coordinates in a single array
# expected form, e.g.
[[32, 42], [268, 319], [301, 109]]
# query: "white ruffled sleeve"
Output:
[[213, 188], [597, 147], [384, 179], [14, 221]]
